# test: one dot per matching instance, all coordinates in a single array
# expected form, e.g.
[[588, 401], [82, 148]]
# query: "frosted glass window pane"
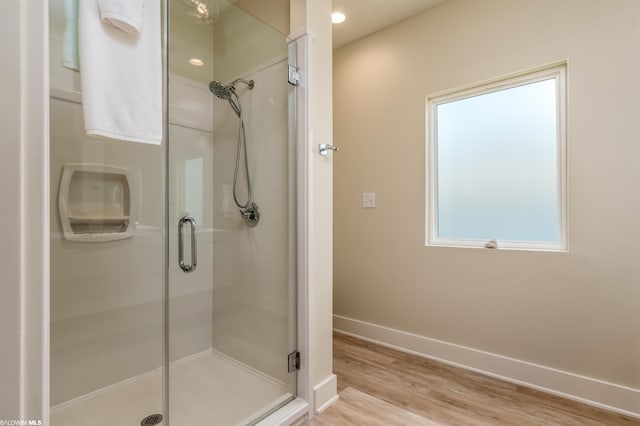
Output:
[[497, 165]]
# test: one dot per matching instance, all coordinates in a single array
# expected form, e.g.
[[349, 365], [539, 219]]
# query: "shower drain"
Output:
[[151, 420]]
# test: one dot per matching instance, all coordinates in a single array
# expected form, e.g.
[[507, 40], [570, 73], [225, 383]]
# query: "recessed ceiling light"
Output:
[[196, 62], [338, 17]]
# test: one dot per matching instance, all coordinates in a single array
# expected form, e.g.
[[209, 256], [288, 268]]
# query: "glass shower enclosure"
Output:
[[172, 302]]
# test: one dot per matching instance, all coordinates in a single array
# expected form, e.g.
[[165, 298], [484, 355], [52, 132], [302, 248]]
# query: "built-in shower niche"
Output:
[[97, 202]]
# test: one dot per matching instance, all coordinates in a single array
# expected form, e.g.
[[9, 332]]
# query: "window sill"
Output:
[[502, 246]]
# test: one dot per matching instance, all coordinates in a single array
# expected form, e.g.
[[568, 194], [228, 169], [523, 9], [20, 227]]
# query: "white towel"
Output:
[[121, 76], [123, 14]]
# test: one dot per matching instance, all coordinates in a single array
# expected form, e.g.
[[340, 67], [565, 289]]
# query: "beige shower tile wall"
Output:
[[577, 311], [243, 43]]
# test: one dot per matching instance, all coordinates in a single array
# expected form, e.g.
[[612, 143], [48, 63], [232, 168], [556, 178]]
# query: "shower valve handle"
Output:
[[324, 148]]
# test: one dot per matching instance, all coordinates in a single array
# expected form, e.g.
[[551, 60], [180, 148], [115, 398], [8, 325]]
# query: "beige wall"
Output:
[[577, 311]]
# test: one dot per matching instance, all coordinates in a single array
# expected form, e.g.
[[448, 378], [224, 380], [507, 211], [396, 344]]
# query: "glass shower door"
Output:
[[107, 255], [231, 306]]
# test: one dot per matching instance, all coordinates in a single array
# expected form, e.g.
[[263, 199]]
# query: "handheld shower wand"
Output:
[[248, 210]]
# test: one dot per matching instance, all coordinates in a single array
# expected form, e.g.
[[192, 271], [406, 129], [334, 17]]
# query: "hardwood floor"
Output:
[[382, 386]]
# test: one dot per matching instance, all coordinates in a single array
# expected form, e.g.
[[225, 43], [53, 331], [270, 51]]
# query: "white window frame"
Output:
[[557, 71]]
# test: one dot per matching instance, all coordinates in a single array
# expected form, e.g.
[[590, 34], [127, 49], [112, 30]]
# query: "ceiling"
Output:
[[367, 16], [363, 16]]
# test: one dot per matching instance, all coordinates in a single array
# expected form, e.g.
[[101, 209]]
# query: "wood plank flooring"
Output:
[[382, 386]]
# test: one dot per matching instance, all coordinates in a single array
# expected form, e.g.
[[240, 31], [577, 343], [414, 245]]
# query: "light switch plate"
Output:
[[368, 200]]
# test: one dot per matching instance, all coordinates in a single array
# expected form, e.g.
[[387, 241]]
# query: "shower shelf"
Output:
[[99, 225], [79, 219], [97, 203]]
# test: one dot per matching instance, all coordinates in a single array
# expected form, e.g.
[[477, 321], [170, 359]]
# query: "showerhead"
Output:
[[224, 91], [220, 90]]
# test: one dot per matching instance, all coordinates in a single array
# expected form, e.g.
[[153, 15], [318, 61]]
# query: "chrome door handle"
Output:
[[194, 255], [324, 148]]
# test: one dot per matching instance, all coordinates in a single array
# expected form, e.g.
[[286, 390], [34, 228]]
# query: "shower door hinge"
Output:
[[294, 75], [294, 361]]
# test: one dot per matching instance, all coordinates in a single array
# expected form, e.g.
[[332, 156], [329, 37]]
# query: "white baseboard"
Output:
[[609, 396], [325, 394]]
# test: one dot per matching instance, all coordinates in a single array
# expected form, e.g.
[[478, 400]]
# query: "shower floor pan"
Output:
[[208, 388]]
